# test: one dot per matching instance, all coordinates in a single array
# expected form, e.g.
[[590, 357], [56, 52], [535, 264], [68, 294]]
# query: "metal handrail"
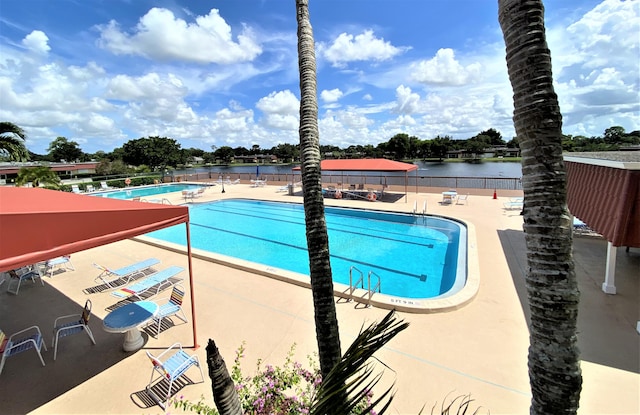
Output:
[[371, 290], [352, 286]]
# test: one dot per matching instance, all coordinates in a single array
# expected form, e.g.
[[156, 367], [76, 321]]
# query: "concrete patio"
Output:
[[479, 349]]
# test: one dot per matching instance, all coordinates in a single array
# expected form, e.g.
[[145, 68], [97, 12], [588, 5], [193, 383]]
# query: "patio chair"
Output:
[[61, 261], [75, 189], [90, 188], [173, 307], [18, 275], [104, 186], [150, 285], [27, 339], [72, 324], [114, 278], [462, 199], [169, 366]]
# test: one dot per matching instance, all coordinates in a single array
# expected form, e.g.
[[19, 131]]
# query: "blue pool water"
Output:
[[414, 259], [145, 191]]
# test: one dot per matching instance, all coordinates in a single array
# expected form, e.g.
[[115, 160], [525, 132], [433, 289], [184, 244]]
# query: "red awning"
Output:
[[39, 224], [607, 199], [365, 165]]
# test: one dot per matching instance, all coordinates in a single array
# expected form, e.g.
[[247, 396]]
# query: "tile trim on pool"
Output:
[[410, 305]]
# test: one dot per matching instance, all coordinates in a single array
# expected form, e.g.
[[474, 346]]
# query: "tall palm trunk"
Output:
[[554, 367], [317, 238]]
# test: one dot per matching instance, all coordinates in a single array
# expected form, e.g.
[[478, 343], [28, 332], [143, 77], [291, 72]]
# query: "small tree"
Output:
[[40, 175]]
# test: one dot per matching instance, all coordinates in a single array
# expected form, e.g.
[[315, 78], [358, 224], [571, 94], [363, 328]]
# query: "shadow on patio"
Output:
[[606, 323], [25, 383]]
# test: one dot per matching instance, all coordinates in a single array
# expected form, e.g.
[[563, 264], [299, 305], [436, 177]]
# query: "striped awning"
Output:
[[606, 196]]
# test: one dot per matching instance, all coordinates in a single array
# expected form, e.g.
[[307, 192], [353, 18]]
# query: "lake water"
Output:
[[457, 169]]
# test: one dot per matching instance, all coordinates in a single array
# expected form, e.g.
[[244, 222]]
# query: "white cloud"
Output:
[[160, 35], [37, 41], [331, 95], [281, 110], [595, 63], [281, 102], [363, 47], [149, 86], [407, 102], [444, 69]]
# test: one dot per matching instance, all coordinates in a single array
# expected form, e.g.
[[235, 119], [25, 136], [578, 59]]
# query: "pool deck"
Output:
[[478, 349]]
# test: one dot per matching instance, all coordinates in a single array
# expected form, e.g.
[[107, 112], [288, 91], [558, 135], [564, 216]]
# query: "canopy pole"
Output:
[[191, 288]]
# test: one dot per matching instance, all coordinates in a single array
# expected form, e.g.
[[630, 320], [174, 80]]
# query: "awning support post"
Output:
[[609, 284]]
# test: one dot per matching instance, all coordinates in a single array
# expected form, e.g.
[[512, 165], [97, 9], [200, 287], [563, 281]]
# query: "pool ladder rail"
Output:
[[366, 298], [415, 211]]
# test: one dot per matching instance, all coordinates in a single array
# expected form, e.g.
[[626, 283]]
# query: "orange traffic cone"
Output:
[[495, 194]]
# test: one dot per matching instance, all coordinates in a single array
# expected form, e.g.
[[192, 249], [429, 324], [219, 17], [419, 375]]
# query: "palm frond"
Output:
[[353, 374], [8, 128]]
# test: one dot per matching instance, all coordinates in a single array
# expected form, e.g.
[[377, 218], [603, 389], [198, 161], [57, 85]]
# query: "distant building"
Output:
[[9, 170]]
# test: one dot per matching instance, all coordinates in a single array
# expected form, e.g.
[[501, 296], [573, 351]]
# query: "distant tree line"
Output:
[[156, 153]]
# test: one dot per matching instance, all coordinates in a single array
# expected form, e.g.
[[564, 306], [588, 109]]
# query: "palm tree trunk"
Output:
[[224, 390], [326, 321], [554, 367]]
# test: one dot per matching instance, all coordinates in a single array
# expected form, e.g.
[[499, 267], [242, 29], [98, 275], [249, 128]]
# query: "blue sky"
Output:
[[224, 72]]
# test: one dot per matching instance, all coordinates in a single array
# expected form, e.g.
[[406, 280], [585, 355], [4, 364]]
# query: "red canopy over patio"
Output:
[[383, 165], [39, 224]]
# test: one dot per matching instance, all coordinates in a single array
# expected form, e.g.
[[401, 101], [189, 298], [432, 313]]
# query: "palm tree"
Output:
[[12, 140], [37, 176], [554, 367], [326, 320]]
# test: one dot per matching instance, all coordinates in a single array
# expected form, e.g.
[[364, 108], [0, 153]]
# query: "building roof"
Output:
[[365, 165]]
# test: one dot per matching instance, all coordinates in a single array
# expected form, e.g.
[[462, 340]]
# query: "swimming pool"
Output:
[[145, 191], [415, 257]]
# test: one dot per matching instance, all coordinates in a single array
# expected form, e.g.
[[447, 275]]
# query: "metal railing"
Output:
[[370, 290], [352, 285]]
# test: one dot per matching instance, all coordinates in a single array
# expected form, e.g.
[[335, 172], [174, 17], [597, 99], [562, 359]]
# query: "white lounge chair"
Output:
[[118, 277], [90, 188], [75, 189], [149, 286], [104, 186]]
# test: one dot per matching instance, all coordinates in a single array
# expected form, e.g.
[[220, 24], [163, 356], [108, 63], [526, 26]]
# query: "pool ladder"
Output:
[[360, 281], [424, 210]]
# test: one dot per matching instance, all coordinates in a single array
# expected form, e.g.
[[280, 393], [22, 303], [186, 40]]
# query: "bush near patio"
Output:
[[284, 390]]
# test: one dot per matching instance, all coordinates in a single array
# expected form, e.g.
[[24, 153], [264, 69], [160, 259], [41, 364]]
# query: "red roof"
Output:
[[364, 165], [38, 224]]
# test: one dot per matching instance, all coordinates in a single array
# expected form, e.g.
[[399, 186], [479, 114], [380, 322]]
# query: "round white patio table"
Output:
[[126, 319]]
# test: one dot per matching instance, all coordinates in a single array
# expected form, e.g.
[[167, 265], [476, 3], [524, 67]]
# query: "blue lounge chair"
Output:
[[63, 262], [114, 278], [149, 286], [168, 367]]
